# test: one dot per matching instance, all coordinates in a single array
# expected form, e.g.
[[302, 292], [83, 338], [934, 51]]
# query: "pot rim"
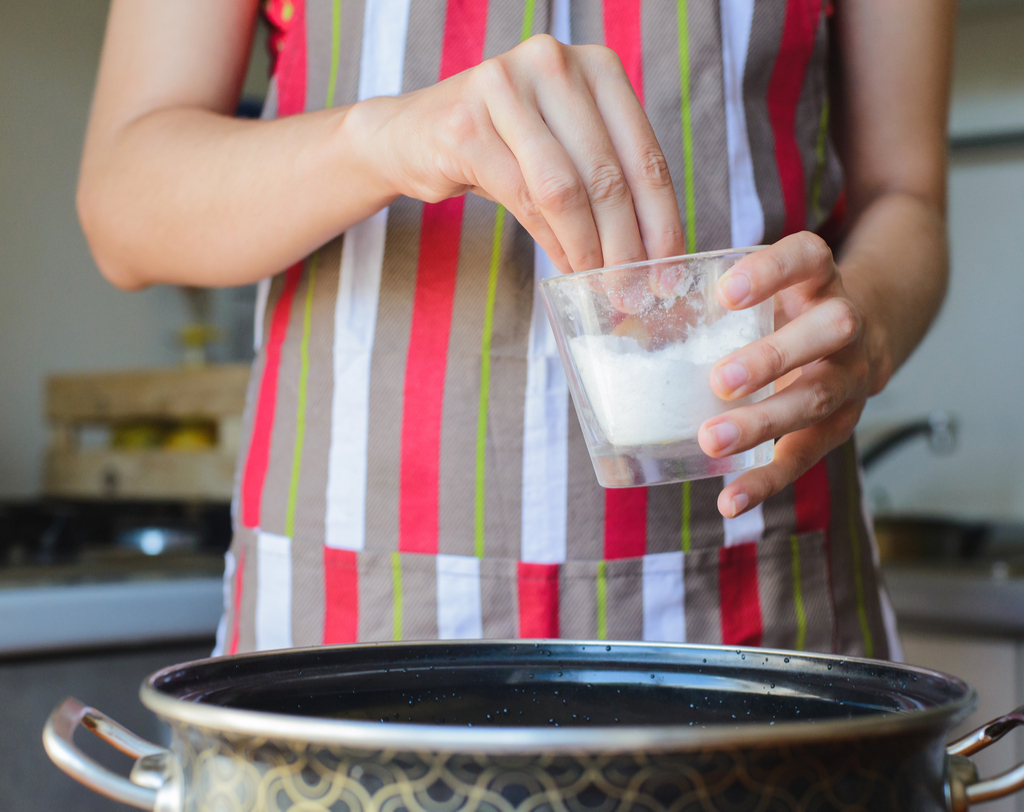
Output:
[[417, 737]]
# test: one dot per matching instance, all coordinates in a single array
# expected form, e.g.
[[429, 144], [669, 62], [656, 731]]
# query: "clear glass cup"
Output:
[[638, 342]]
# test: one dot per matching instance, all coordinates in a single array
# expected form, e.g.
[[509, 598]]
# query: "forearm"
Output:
[[894, 263], [188, 196]]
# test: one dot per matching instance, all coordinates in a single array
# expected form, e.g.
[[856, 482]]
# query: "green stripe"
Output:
[[798, 595], [858, 575], [602, 600], [527, 21], [485, 381], [300, 417], [396, 586], [819, 167], [335, 51], [684, 107], [480, 494], [686, 517]]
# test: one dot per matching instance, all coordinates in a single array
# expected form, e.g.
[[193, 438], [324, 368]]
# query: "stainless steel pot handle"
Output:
[[965, 788], [148, 775]]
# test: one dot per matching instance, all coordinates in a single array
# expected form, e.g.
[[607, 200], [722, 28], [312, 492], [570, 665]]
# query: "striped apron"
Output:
[[411, 464]]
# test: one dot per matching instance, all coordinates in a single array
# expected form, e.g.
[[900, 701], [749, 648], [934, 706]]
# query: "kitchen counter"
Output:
[[966, 600], [46, 618]]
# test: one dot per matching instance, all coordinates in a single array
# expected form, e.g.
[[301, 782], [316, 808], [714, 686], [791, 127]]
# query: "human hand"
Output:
[[818, 357], [554, 133]]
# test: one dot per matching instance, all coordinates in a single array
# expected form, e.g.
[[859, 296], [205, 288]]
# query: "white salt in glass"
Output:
[[638, 342]]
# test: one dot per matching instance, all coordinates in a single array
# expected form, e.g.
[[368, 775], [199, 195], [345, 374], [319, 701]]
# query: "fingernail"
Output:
[[735, 288], [731, 376], [724, 435], [739, 503]]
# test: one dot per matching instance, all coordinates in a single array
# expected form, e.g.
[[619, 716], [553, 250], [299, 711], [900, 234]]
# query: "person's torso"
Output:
[[411, 456]]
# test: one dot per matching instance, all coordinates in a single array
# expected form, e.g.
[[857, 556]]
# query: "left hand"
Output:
[[818, 356]]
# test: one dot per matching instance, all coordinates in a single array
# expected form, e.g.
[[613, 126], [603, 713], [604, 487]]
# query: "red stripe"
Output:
[[622, 35], [625, 522], [737, 590], [258, 459], [625, 511], [341, 597], [783, 95], [811, 499], [538, 600], [812, 503], [465, 29], [239, 569], [288, 44]]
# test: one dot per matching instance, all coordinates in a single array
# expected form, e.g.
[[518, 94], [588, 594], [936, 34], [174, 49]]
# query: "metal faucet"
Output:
[[940, 428]]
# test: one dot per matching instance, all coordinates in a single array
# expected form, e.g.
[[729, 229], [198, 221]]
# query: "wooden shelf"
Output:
[[213, 395], [143, 474], [175, 392]]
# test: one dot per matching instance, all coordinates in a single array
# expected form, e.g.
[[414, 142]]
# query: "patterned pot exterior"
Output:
[[243, 774]]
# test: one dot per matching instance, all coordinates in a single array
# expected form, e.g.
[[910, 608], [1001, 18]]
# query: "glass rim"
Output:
[[562, 277]]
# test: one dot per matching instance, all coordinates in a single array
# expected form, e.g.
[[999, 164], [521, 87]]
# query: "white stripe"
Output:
[[545, 437], [262, 294], [222, 626], [385, 26], [745, 205], [273, 591], [459, 610], [663, 592], [546, 411], [747, 526], [560, 21]]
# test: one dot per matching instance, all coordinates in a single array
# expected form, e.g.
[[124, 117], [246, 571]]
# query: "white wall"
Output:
[[56, 311], [972, 362]]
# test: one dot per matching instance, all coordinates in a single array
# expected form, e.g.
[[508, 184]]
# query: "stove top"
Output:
[[67, 539]]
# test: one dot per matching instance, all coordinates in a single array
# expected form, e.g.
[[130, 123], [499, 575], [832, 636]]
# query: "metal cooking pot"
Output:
[[544, 725]]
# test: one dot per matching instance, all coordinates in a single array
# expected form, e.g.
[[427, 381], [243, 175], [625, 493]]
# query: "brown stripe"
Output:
[[387, 373], [710, 144], [577, 600], [274, 502], [765, 36], [419, 597], [319, 52], [307, 592], [505, 24], [586, 22], [661, 87], [850, 637], [423, 44], [779, 516], [509, 345], [625, 590], [584, 531], [815, 590], [499, 598], [247, 610], [700, 596], [807, 123], [376, 598], [775, 592], [665, 518], [706, 529], [311, 497], [462, 381]]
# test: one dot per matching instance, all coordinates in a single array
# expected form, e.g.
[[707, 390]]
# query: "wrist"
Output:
[[362, 135]]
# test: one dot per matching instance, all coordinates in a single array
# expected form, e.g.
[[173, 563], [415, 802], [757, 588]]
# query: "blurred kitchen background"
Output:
[[114, 488]]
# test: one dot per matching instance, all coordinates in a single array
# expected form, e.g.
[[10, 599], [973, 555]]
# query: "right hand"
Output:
[[554, 133]]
